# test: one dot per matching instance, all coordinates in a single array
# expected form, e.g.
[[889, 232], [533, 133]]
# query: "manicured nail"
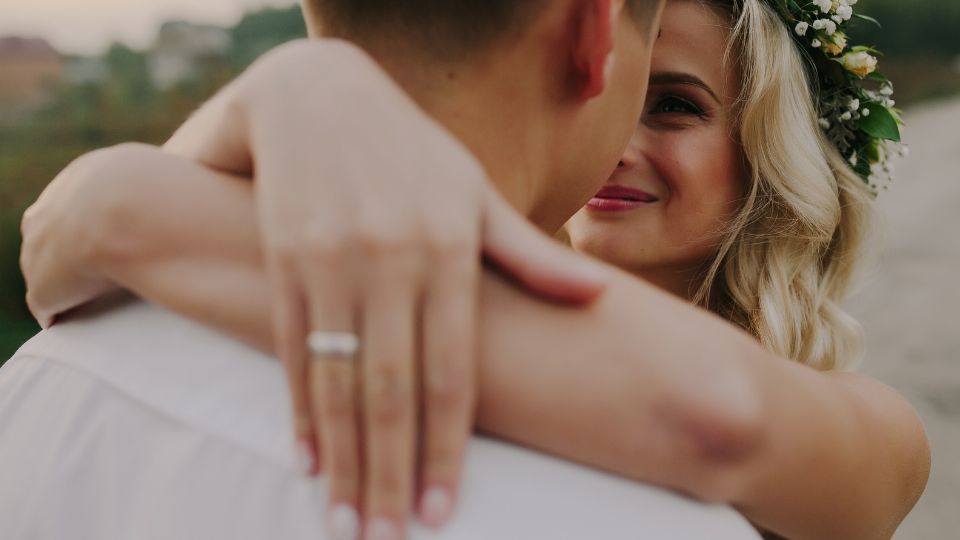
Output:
[[343, 523], [304, 457], [435, 506], [382, 529]]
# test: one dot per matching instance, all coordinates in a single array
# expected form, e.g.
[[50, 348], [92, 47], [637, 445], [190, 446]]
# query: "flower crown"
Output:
[[855, 102]]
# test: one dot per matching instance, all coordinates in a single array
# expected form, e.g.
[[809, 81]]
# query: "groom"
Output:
[[164, 422]]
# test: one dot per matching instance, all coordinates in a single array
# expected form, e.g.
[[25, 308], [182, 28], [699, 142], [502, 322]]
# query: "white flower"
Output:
[[886, 90], [824, 123], [826, 25], [865, 111], [846, 116], [801, 28], [854, 104], [845, 12], [816, 43], [860, 63], [824, 5]]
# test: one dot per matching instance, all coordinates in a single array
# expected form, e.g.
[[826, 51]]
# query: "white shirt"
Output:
[[131, 423]]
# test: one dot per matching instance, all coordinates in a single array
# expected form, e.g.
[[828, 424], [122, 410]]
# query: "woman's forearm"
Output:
[[640, 384]]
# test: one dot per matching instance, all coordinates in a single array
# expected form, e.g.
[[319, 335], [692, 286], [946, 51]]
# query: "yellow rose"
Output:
[[837, 46], [860, 63]]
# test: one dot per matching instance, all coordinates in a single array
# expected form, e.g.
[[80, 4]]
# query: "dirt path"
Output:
[[910, 307]]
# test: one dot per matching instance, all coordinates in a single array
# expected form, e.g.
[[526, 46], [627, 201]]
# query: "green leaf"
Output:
[[881, 123], [872, 152], [869, 19], [865, 48]]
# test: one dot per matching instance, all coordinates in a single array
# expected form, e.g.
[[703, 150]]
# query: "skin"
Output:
[[723, 420], [684, 151]]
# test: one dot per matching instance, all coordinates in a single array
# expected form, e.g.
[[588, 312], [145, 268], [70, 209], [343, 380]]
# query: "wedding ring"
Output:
[[339, 345]]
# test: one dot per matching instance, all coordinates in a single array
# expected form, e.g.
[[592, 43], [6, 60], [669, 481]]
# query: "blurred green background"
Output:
[[143, 95], [121, 96]]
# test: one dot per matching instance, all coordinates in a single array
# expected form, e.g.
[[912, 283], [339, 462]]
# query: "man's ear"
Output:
[[595, 22]]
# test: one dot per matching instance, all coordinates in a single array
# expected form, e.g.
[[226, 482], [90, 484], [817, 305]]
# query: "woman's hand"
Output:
[[61, 238]]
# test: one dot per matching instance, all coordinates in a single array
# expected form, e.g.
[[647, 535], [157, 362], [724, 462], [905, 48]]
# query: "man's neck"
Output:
[[496, 110]]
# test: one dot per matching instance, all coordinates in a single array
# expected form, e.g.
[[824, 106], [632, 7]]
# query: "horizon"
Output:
[[89, 28]]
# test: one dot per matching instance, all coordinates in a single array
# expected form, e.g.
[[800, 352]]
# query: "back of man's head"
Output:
[[447, 29]]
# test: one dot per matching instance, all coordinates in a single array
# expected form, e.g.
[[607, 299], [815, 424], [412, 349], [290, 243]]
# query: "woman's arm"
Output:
[[641, 384]]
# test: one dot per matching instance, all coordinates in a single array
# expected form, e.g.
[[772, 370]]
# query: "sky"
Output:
[[89, 26]]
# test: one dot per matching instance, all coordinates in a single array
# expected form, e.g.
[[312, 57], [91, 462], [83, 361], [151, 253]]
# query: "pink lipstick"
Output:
[[619, 198]]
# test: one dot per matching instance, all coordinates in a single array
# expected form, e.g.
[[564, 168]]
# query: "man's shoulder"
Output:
[[176, 368]]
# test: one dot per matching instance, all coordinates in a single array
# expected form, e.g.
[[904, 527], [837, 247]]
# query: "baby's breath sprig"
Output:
[[856, 106]]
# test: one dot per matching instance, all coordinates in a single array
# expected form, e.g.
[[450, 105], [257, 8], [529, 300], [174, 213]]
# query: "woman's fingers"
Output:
[[449, 352], [389, 395], [290, 325], [535, 260]]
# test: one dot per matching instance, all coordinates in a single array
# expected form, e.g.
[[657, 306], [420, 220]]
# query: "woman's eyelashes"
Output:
[[673, 108]]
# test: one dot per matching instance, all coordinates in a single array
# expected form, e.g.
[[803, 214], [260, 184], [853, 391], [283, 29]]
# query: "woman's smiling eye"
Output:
[[675, 105]]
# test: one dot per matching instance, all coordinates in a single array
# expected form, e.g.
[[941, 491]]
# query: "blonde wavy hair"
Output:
[[791, 254]]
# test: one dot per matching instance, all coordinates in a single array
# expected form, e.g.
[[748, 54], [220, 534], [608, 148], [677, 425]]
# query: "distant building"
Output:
[[28, 68], [86, 70], [182, 50]]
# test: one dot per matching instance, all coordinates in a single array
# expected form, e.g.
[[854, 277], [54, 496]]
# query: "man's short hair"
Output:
[[445, 28]]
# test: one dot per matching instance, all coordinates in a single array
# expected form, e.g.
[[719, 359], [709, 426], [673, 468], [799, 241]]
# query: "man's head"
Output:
[[450, 28], [545, 92]]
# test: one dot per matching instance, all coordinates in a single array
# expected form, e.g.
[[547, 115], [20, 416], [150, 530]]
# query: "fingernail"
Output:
[[435, 506], [382, 529], [343, 523], [304, 457]]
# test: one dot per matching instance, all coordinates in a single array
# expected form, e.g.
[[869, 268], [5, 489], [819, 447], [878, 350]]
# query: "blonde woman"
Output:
[[731, 196]]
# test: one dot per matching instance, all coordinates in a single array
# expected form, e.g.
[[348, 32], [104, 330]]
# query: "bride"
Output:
[[745, 193]]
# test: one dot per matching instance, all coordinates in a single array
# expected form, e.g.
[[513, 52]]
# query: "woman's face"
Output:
[[681, 178]]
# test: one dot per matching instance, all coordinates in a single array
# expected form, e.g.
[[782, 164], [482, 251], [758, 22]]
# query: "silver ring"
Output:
[[341, 345]]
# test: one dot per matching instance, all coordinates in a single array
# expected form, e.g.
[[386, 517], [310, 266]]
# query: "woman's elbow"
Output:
[[727, 438], [723, 426]]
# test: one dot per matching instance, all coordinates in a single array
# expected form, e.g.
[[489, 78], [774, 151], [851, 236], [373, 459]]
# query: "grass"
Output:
[[13, 333]]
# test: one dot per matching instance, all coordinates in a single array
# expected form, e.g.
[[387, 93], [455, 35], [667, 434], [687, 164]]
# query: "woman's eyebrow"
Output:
[[682, 78]]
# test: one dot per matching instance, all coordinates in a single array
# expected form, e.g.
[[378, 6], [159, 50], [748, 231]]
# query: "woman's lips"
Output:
[[619, 198]]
